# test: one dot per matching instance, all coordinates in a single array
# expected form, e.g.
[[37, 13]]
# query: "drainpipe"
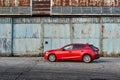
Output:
[[12, 37]]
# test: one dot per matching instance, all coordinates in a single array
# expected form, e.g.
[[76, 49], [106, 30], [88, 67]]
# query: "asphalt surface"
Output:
[[36, 68]]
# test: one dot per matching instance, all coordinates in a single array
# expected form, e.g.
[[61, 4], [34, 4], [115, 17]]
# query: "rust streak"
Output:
[[86, 3], [13, 3]]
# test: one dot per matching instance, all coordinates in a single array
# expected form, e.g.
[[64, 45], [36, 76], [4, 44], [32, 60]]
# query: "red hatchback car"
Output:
[[82, 52]]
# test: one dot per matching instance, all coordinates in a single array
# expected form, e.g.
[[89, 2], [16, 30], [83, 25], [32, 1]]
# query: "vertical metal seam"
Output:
[[12, 38], [101, 36], [71, 32], [41, 36]]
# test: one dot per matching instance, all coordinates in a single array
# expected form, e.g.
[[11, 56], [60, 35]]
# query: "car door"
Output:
[[66, 52], [77, 51]]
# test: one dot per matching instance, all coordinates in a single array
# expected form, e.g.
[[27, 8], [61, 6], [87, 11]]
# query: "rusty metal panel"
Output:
[[41, 7], [5, 36], [110, 3], [69, 2], [15, 7], [27, 36], [9, 3], [93, 3], [85, 7], [56, 2]]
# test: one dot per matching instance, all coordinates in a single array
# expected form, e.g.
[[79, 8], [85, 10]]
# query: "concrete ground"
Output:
[[36, 68]]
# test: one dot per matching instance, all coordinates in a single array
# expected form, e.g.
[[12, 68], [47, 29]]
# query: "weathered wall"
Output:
[[5, 36], [34, 35], [15, 7], [59, 7], [86, 3], [27, 36]]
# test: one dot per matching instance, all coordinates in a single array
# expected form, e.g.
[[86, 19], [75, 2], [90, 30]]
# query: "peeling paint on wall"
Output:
[[11, 3]]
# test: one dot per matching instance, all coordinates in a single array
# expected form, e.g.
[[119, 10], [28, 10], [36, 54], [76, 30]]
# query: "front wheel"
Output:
[[87, 58], [52, 58]]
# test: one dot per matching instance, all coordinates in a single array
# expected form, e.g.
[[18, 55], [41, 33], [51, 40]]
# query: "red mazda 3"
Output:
[[76, 51]]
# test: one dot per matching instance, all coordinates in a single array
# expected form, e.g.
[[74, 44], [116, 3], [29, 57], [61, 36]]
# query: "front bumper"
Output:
[[46, 56]]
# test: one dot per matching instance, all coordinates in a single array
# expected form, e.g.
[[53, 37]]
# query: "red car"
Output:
[[82, 52]]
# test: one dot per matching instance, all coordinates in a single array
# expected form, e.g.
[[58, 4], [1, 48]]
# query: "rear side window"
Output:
[[78, 46]]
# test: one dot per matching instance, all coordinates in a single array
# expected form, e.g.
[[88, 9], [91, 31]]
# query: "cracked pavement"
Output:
[[36, 68]]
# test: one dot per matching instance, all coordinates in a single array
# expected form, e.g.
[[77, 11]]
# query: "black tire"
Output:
[[52, 58], [87, 58]]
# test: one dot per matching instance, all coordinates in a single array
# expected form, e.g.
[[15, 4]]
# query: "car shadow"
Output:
[[101, 60], [95, 61]]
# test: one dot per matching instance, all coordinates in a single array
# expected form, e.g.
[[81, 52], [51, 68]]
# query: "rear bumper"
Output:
[[96, 56]]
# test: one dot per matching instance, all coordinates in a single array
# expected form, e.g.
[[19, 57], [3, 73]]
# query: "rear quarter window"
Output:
[[93, 47]]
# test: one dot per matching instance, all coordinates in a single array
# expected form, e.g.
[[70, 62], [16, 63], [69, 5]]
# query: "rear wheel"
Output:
[[52, 58], [87, 58]]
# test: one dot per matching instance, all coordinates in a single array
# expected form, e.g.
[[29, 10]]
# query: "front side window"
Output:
[[70, 47]]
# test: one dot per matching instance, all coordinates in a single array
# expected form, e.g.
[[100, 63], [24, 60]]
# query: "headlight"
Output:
[[46, 53]]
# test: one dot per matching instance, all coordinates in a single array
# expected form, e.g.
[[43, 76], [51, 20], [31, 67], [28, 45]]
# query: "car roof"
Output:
[[78, 44]]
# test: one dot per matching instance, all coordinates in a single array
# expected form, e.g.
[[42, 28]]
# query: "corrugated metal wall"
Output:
[[27, 36], [103, 32], [111, 35], [87, 30], [56, 32], [33, 36], [5, 36]]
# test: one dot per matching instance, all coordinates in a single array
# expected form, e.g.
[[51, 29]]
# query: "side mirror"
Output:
[[63, 49]]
